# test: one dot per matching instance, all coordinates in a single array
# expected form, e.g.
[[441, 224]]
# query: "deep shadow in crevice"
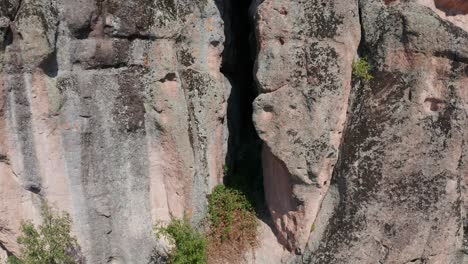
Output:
[[244, 168], [50, 65], [83, 33], [8, 39], [8, 252]]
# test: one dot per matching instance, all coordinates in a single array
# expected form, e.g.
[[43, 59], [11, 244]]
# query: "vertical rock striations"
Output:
[[117, 112], [114, 111]]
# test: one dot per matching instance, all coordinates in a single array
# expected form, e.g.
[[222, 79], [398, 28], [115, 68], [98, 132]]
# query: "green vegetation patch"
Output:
[[361, 69], [232, 231], [190, 245], [233, 224], [51, 242]]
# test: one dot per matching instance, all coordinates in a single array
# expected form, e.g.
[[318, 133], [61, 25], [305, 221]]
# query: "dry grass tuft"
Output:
[[233, 226]]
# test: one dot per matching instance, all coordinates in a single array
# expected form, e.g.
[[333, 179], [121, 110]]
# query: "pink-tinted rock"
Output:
[[399, 175], [113, 111], [453, 6], [454, 11], [304, 75], [117, 112]]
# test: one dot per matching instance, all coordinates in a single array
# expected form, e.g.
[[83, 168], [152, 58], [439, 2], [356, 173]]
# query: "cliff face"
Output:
[[124, 113], [113, 111], [400, 170]]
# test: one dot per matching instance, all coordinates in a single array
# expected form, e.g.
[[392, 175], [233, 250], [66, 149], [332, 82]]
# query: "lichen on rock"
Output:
[[129, 113]]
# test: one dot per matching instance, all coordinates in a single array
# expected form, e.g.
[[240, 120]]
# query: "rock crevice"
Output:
[[128, 113]]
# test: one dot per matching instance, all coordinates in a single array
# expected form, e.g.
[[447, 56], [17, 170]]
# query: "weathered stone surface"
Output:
[[454, 11], [117, 112], [113, 111], [3, 256], [399, 176], [304, 75]]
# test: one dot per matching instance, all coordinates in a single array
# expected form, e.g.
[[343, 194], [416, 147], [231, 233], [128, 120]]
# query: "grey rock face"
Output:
[[399, 175], [113, 111], [117, 112], [304, 75], [397, 181]]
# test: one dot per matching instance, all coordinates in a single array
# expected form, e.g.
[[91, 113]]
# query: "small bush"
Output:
[[233, 230], [233, 224], [14, 260], [51, 242], [361, 69], [190, 245]]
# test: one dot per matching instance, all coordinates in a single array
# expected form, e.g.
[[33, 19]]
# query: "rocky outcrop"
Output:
[[304, 76], [451, 10], [111, 110], [124, 114], [399, 176], [3, 256]]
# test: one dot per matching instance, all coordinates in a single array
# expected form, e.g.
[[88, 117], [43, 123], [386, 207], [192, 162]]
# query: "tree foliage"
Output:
[[49, 243]]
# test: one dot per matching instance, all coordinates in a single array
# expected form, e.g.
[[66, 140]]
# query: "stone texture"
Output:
[[399, 175], [113, 111], [398, 178], [116, 111], [3, 256], [304, 74]]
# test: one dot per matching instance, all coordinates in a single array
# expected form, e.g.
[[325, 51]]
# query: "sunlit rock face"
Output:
[[304, 76], [366, 176], [454, 11], [113, 111], [117, 112], [400, 173]]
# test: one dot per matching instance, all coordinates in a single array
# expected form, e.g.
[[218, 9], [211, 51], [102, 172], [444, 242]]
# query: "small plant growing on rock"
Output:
[[312, 229], [190, 245], [51, 242], [361, 69], [233, 224]]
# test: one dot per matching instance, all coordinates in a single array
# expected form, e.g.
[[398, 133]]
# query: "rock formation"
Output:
[[125, 113], [304, 75], [113, 111], [399, 175]]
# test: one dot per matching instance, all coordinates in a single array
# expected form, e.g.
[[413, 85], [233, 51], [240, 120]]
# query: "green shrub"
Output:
[[190, 245], [361, 69], [233, 223], [14, 260], [50, 243], [233, 230]]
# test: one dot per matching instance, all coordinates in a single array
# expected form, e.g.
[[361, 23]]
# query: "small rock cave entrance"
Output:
[[243, 162]]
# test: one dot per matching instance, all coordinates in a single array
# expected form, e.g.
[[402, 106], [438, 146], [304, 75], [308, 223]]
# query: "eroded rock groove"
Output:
[[244, 153]]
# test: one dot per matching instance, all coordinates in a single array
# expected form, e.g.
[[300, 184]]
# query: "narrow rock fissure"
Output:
[[4, 248], [362, 50], [243, 161], [20, 4]]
